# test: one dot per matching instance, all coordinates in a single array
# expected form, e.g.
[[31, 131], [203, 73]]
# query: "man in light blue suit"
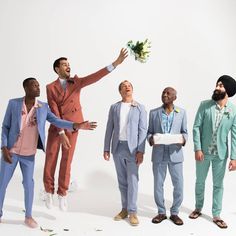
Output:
[[127, 129], [23, 131], [215, 119], [170, 120]]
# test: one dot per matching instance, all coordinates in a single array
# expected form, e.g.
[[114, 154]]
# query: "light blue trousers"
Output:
[[127, 175], [27, 170], [176, 173]]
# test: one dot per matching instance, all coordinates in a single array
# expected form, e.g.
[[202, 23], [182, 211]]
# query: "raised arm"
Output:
[[92, 78]]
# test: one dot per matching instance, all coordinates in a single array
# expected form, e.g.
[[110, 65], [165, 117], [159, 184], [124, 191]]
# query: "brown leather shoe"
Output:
[[159, 218], [133, 219], [176, 220], [122, 215]]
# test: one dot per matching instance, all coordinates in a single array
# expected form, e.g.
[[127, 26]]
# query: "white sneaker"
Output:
[[62, 203], [48, 200], [73, 187]]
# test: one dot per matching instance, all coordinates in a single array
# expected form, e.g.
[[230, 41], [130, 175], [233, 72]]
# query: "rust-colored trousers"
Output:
[[52, 151]]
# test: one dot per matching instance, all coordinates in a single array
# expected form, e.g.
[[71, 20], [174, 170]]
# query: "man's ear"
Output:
[[57, 69]]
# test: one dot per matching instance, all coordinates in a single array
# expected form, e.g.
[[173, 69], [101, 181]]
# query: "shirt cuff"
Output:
[[61, 132], [110, 68]]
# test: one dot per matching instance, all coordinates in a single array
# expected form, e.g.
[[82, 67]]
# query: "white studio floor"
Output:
[[93, 205]]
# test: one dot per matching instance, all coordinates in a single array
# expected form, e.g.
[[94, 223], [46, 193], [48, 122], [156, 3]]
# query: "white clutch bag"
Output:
[[168, 138]]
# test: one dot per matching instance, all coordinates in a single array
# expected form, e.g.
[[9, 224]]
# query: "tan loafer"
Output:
[[133, 219], [122, 215]]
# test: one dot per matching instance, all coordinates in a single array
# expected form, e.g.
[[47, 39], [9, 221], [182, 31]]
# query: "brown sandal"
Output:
[[159, 218], [195, 214], [220, 223]]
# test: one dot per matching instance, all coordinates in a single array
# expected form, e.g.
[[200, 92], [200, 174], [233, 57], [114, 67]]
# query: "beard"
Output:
[[218, 95]]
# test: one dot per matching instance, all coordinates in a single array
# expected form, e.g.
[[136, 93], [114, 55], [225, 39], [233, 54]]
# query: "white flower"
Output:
[[140, 50]]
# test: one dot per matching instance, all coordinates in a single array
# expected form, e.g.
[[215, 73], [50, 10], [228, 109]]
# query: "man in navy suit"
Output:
[[127, 129], [168, 121], [23, 131]]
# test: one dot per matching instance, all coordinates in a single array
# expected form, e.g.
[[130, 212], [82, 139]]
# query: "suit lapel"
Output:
[[131, 111], [226, 115], [213, 114], [19, 111], [38, 110], [117, 113], [69, 88], [118, 110], [159, 116], [59, 88], [175, 117]]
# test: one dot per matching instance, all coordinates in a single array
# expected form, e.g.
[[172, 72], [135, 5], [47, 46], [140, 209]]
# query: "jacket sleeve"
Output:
[[184, 130], [64, 124], [6, 125], [150, 131], [109, 131], [92, 78], [233, 140], [142, 130], [197, 128]]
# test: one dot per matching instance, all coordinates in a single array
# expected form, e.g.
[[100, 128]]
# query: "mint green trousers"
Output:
[[218, 172]]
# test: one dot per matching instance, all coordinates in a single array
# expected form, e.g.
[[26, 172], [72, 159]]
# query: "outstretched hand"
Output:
[[123, 54], [85, 125]]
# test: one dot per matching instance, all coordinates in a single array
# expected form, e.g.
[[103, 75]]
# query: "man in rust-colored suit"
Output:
[[64, 100]]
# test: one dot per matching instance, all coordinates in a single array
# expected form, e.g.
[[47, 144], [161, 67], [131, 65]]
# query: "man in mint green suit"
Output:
[[214, 120]]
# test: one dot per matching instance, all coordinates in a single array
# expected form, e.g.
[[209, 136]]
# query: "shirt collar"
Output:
[[36, 104], [70, 80], [219, 108], [174, 109]]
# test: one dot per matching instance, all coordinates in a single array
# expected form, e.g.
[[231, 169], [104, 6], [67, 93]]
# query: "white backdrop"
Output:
[[193, 43]]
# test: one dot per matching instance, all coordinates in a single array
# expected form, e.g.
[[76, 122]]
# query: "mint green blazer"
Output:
[[203, 129]]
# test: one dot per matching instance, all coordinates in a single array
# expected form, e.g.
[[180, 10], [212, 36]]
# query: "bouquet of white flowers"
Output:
[[140, 50]]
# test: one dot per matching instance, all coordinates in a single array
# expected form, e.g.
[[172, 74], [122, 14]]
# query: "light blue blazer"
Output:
[[136, 128], [179, 126], [12, 122]]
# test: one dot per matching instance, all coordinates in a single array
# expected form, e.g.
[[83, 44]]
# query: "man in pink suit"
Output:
[[64, 100]]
